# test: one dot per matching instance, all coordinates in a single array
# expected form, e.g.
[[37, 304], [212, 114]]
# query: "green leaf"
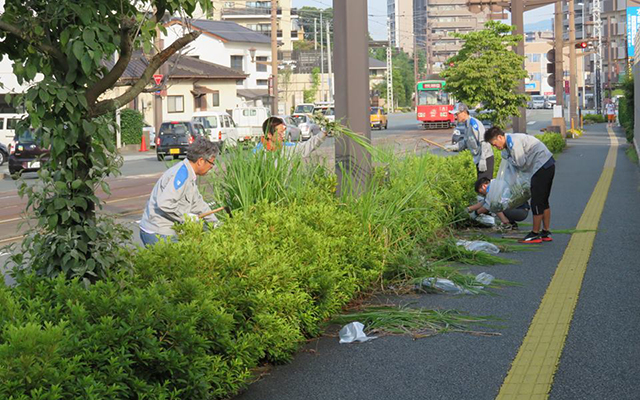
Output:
[[59, 203], [85, 15], [83, 101], [53, 221], [78, 49], [59, 145], [61, 186], [105, 188], [64, 37], [86, 63], [44, 96], [89, 37], [89, 127], [61, 95], [30, 71]]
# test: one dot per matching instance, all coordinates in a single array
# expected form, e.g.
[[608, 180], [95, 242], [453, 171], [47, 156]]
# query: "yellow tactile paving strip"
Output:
[[532, 371]]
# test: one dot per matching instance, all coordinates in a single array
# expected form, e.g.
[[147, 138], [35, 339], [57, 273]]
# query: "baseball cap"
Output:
[[460, 107]]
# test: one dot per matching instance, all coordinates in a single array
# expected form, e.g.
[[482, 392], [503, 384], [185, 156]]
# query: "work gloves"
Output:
[[451, 147], [482, 165]]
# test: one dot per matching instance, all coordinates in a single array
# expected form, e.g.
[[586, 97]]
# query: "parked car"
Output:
[[219, 126], [307, 127], [4, 153], [151, 132], [249, 122], [327, 111], [304, 108], [550, 102], [175, 137], [537, 102], [378, 118], [461, 128], [293, 133], [26, 153]]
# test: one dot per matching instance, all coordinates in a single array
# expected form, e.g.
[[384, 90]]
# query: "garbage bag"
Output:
[[484, 278], [479, 245], [510, 189], [486, 220], [354, 332]]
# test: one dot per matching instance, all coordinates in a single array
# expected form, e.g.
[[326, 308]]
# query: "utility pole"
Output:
[[559, 47], [389, 70], [597, 32], [315, 34], [517, 19], [330, 78], [321, 58], [352, 96], [573, 66], [415, 60], [274, 57]]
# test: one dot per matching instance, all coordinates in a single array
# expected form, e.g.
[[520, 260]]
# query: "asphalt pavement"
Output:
[[602, 347]]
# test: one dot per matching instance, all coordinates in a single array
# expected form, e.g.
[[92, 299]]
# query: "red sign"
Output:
[[158, 78]]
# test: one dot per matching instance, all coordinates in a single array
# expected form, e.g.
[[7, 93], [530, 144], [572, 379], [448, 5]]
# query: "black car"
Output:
[[26, 153], [4, 153], [175, 137]]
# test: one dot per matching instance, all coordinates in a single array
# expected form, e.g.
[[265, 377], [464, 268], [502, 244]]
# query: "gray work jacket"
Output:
[[474, 141], [525, 152], [174, 195]]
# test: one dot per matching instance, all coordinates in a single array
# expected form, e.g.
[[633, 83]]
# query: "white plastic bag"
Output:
[[510, 189], [354, 332], [479, 245]]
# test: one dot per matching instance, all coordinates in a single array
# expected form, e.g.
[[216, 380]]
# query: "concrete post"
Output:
[[351, 55], [274, 57], [517, 20], [573, 66]]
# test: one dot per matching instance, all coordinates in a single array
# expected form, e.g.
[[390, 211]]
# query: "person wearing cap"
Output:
[[529, 156], [175, 197], [274, 139], [474, 141]]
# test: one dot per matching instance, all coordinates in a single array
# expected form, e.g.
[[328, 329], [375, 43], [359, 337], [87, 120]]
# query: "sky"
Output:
[[378, 14]]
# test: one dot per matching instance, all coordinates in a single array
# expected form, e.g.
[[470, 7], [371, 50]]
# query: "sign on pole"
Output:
[[633, 19], [158, 78]]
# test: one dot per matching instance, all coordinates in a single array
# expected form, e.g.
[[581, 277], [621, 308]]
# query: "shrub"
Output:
[[626, 112], [131, 123], [554, 141], [594, 118]]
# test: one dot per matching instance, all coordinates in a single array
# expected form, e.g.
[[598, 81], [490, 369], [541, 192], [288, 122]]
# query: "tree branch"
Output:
[[43, 47], [126, 42], [106, 106]]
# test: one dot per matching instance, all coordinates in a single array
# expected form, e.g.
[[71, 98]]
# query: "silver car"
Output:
[[293, 133], [307, 127], [537, 102]]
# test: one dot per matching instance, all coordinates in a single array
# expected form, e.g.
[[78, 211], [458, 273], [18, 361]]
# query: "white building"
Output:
[[234, 46]]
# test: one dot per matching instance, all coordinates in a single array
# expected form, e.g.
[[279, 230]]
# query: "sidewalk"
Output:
[[600, 356]]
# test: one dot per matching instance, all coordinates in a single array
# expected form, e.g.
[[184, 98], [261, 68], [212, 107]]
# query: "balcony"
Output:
[[248, 12]]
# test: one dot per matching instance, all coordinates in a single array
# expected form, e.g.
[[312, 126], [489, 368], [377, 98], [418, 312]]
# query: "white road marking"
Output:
[[531, 122]]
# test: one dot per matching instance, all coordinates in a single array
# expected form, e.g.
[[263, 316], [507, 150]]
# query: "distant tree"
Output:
[[310, 94], [486, 71], [306, 17]]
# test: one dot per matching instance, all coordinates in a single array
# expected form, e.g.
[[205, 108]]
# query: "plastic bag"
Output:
[[479, 245], [354, 332], [486, 220], [510, 189], [449, 287], [484, 278]]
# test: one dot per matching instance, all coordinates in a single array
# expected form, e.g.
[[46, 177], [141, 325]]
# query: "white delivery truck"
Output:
[[249, 122]]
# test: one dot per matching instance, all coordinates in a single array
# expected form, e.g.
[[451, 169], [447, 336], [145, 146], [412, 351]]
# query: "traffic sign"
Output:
[[158, 78]]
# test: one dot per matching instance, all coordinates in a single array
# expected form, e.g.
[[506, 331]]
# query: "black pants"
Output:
[[541, 183], [489, 172], [516, 214]]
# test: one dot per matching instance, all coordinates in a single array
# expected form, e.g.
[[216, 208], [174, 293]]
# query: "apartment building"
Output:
[[256, 15], [401, 16]]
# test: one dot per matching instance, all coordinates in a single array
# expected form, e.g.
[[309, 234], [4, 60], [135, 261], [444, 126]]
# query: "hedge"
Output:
[[554, 141], [194, 317], [131, 126]]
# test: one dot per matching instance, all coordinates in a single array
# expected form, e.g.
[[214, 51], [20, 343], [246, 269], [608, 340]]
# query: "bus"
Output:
[[433, 105]]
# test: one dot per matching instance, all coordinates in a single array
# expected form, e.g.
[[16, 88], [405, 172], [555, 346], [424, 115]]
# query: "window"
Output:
[[535, 57], [200, 102], [432, 98], [262, 82], [236, 63], [225, 121], [249, 113], [239, 81], [261, 67], [175, 104], [12, 123], [215, 99], [536, 77]]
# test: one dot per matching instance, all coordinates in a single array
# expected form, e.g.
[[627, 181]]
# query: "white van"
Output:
[[219, 126], [8, 124]]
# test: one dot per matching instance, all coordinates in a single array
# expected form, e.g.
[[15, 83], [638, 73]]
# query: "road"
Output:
[[130, 191]]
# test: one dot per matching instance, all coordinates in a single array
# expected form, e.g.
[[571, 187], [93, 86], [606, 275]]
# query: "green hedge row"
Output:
[[554, 141], [194, 317], [594, 118], [131, 123]]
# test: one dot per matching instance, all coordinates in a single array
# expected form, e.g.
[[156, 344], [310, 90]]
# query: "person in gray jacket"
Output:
[[274, 139], [176, 197], [474, 141], [530, 156]]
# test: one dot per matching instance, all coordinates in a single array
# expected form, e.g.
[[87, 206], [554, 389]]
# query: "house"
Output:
[[189, 84], [233, 46]]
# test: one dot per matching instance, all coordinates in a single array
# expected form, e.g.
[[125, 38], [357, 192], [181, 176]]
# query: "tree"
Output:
[[72, 44], [306, 16], [487, 71], [310, 94], [403, 78]]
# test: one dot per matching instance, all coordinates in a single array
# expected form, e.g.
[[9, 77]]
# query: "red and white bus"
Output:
[[433, 105]]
